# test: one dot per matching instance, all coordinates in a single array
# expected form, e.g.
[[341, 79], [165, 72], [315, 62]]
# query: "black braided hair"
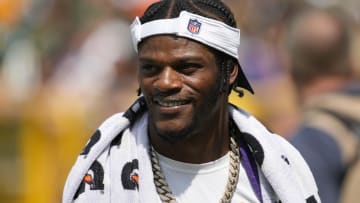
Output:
[[214, 9]]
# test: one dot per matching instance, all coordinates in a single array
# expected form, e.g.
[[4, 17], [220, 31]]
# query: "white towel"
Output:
[[115, 164]]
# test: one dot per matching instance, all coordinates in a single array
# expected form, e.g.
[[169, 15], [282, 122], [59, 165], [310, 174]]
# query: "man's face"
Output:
[[180, 81]]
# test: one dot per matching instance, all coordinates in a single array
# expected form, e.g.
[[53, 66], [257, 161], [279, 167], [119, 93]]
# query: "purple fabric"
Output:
[[251, 169]]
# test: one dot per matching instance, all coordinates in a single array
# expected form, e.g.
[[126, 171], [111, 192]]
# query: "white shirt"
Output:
[[206, 182]]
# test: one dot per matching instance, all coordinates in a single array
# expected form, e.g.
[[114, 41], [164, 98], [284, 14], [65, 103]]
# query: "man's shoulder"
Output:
[[310, 134], [311, 141]]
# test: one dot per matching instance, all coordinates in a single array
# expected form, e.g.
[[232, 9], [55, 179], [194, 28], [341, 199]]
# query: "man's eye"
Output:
[[148, 69], [190, 68]]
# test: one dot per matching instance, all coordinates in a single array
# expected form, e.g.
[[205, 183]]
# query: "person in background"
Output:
[[181, 141], [319, 43], [58, 85]]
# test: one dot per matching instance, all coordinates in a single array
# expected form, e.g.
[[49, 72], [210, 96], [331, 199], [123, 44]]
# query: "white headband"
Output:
[[211, 32]]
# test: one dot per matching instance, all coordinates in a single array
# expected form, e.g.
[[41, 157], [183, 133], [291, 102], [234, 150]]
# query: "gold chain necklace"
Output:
[[167, 196]]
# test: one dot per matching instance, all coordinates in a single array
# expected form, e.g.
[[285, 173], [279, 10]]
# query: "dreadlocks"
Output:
[[171, 8]]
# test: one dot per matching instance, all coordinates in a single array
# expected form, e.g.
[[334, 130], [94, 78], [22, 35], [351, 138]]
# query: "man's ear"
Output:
[[233, 73]]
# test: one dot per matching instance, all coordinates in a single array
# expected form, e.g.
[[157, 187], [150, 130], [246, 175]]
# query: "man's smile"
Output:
[[170, 103]]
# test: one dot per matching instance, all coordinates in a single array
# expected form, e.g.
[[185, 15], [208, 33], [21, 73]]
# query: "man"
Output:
[[182, 141], [319, 47]]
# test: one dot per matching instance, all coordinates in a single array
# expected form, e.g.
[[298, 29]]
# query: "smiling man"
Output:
[[181, 141]]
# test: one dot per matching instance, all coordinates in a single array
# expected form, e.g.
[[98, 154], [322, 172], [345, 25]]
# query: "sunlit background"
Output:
[[66, 65]]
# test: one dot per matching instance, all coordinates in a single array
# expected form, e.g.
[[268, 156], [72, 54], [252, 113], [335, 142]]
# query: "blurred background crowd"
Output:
[[66, 65]]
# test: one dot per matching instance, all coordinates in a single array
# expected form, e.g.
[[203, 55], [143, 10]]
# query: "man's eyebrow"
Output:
[[191, 58], [147, 60]]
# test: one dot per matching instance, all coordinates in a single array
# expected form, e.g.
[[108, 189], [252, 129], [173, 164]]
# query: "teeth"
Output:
[[171, 103]]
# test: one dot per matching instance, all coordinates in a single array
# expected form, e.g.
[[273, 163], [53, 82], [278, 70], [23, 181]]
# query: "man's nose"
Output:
[[169, 80]]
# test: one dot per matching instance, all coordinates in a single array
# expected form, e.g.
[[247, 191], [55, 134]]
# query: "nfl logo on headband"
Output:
[[194, 26]]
